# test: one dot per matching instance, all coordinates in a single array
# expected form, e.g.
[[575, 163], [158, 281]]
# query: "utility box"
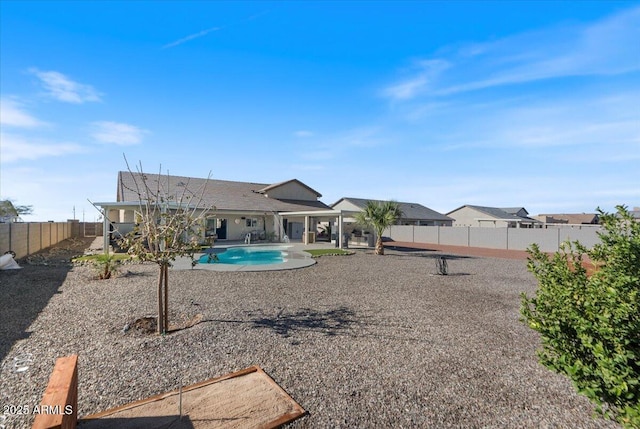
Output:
[[311, 237]]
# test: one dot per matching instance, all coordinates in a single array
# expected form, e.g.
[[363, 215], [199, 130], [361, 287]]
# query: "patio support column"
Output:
[[340, 244], [105, 230], [306, 230]]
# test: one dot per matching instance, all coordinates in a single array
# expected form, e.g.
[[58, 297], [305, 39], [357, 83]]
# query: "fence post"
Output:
[[507, 246]]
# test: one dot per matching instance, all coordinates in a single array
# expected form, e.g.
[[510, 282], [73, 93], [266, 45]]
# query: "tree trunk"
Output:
[[160, 301], [166, 298], [379, 247]]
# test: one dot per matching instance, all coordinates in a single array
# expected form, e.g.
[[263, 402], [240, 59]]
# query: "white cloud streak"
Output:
[[12, 114], [606, 47], [15, 148], [609, 122], [191, 37], [429, 70], [117, 133], [61, 88]]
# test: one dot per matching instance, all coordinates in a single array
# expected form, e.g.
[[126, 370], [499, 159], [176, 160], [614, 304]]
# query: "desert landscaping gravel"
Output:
[[358, 341]]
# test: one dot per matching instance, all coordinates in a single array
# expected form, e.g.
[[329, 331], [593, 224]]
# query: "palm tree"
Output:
[[379, 216]]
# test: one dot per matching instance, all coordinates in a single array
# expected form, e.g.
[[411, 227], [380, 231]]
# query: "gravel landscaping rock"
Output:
[[359, 341]]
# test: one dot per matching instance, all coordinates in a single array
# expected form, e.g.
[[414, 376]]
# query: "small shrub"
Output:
[[106, 265], [590, 324]]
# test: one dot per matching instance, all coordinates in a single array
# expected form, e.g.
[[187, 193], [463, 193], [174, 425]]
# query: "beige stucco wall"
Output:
[[467, 216], [292, 191]]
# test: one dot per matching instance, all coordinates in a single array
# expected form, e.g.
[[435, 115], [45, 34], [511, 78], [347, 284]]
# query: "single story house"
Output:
[[238, 210], [569, 218], [493, 217], [412, 214], [8, 212]]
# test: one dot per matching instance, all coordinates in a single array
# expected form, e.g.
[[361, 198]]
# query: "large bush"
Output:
[[590, 324]]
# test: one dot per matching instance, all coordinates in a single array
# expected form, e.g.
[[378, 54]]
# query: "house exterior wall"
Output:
[[347, 206], [292, 191], [466, 216]]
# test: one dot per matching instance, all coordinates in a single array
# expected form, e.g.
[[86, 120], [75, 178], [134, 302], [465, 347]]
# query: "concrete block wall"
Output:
[[27, 238], [493, 238], [521, 239], [458, 236], [549, 240], [426, 234]]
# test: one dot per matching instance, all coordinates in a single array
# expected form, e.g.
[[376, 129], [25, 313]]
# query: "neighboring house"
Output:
[[493, 217], [8, 212], [240, 208], [569, 218], [635, 213], [412, 213]]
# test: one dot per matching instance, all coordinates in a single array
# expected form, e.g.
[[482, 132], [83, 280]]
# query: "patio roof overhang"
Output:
[[307, 214], [333, 213]]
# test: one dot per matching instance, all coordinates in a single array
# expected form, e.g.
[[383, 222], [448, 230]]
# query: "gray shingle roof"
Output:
[[500, 213], [223, 194], [409, 210]]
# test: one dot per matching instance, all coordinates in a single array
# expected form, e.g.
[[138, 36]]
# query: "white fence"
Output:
[[549, 239]]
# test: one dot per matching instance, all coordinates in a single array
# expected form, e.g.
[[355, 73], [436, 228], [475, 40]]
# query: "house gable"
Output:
[[8, 212], [347, 204], [470, 215], [290, 190]]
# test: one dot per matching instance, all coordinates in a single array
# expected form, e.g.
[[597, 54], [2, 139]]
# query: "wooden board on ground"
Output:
[[243, 399]]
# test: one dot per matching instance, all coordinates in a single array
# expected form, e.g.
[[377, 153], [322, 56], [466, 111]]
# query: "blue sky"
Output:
[[533, 104]]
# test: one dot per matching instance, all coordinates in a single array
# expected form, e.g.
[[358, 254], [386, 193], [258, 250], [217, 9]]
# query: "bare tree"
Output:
[[169, 223]]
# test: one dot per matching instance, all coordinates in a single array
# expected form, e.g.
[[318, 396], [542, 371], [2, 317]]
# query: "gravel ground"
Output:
[[359, 341]]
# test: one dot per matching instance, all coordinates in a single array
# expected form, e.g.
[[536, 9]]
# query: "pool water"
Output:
[[245, 256]]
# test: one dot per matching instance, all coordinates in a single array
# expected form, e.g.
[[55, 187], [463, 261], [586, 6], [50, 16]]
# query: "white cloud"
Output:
[[62, 88], [429, 71], [606, 47], [190, 37], [608, 122], [117, 133], [12, 114], [15, 148], [303, 133]]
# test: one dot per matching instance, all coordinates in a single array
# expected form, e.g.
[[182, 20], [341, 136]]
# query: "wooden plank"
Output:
[[215, 403], [59, 406]]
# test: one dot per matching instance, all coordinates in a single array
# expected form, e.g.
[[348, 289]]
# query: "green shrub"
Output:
[[590, 324], [106, 265]]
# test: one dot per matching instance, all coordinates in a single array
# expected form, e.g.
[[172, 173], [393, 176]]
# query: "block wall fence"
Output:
[[26, 238], [548, 239]]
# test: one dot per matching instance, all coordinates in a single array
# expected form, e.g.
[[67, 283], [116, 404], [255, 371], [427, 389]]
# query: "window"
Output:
[[252, 222]]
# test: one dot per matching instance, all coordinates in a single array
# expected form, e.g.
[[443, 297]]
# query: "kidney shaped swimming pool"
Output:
[[245, 256]]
